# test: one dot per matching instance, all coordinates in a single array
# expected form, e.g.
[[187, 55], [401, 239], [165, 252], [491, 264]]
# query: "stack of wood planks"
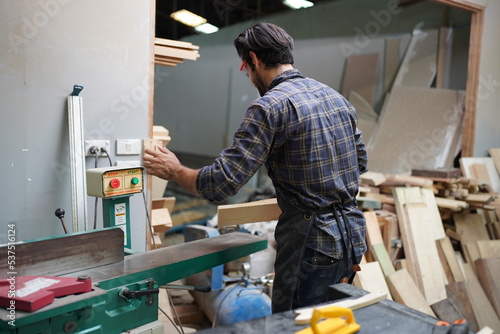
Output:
[[434, 243], [171, 53]]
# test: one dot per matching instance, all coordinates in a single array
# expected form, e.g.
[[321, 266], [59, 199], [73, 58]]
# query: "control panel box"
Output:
[[109, 182]]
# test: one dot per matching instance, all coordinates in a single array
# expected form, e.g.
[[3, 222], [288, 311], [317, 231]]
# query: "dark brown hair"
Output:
[[271, 44]]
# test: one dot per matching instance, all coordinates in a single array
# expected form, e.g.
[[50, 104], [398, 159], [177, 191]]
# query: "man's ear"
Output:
[[255, 60]]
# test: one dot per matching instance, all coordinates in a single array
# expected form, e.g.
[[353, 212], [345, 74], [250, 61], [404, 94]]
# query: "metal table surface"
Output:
[[163, 265]]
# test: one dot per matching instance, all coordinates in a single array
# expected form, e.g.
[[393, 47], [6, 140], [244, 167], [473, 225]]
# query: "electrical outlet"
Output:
[[99, 144]]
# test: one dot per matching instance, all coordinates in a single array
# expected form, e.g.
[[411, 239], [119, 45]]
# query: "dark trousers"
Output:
[[302, 275]]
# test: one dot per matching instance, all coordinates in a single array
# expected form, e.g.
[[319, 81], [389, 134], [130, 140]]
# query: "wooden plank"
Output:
[[399, 144], [252, 212], [418, 67], [485, 314], [466, 163], [495, 155], [405, 291], [452, 204], [376, 243], [470, 227], [446, 310], [391, 61], [161, 220], [481, 198], [471, 253], [367, 117], [429, 272], [360, 75], [380, 254], [164, 202], [445, 247], [371, 278], [457, 294], [175, 43], [410, 181], [480, 172], [372, 178], [444, 54], [445, 173], [415, 222], [444, 261], [373, 233], [488, 249], [176, 53], [488, 273], [65, 254]]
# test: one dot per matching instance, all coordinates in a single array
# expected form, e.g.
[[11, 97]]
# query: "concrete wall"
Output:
[[202, 102], [46, 47]]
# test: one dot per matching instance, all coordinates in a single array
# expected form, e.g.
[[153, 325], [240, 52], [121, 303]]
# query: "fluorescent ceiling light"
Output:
[[188, 18], [206, 28], [297, 4]]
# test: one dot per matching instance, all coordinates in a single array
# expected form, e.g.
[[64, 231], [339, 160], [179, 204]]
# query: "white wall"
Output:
[[46, 47]]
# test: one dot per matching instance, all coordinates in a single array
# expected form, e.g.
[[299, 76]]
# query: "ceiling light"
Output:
[[206, 28], [188, 18], [297, 4]]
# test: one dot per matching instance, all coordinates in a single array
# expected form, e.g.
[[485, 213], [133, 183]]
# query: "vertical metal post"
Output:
[[77, 161]]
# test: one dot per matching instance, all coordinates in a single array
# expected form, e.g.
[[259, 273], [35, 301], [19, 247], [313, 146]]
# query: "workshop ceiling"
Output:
[[220, 13]]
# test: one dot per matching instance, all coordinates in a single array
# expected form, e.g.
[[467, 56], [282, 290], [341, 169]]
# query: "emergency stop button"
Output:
[[114, 183]]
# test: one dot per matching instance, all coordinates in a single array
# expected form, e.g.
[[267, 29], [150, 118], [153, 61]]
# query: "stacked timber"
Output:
[[171, 53], [434, 242]]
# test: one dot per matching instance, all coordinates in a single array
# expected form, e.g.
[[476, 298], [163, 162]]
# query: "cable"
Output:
[[95, 150], [103, 150], [149, 220], [170, 319], [175, 311]]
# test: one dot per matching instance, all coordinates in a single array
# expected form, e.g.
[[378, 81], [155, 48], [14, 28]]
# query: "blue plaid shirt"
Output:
[[305, 133]]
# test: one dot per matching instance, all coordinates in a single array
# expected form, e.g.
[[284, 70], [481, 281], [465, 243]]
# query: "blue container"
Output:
[[238, 303]]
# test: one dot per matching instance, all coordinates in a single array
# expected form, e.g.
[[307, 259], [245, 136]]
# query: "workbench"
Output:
[[384, 317], [98, 255]]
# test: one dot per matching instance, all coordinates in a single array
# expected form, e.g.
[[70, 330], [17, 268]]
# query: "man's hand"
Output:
[[164, 164]]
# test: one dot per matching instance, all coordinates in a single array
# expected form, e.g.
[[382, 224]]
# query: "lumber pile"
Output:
[[435, 244], [171, 53]]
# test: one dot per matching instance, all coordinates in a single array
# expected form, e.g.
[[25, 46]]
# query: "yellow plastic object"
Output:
[[339, 320]]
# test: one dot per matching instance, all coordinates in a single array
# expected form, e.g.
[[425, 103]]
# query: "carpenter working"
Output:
[[306, 135]]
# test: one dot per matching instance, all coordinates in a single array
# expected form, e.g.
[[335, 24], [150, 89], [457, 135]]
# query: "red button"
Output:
[[115, 183]]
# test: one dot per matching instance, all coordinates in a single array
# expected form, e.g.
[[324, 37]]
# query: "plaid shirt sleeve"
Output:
[[239, 162]]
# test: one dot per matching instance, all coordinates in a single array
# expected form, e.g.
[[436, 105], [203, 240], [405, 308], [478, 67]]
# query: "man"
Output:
[[305, 134]]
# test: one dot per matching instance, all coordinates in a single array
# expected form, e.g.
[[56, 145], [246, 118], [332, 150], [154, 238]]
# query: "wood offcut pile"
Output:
[[433, 240]]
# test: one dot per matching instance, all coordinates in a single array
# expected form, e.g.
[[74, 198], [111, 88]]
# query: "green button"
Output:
[[135, 181]]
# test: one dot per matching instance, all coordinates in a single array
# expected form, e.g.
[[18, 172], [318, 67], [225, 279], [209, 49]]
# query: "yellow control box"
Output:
[[107, 182]]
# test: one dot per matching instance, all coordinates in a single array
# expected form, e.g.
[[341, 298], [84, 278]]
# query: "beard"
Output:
[[259, 83]]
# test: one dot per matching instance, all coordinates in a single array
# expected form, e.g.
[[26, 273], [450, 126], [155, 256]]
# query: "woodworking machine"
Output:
[[124, 289]]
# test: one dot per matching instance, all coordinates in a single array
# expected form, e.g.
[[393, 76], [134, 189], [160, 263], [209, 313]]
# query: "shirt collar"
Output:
[[293, 73]]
